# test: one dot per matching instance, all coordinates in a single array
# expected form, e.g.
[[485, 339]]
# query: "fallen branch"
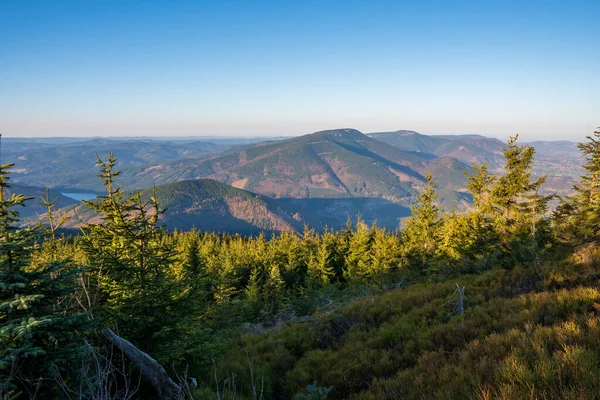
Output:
[[165, 387]]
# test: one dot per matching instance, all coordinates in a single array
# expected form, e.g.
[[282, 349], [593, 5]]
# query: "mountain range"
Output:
[[33, 207], [206, 204], [319, 179]]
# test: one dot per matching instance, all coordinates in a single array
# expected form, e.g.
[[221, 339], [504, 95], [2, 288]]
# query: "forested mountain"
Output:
[[465, 148], [34, 207], [212, 206], [359, 312], [323, 177], [69, 164], [206, 205], [338, 163], [341, 163]]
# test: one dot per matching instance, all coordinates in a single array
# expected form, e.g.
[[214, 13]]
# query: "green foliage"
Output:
[[358, 260], [480, 185], [320, 268], [365, 310], [578, 217], [420, 234], [518, 209], [408, 342], [39, 330], [140, 291]]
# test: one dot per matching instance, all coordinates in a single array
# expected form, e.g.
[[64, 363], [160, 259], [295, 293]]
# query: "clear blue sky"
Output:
[[285, 67]]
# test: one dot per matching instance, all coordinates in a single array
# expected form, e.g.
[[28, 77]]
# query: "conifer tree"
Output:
[[420, 234], [37, 332], [358, 258], [273, 290], [253, 293], [480, 184], [578, 216], [253, 288], [141, 293], [517, 206], [320, 268], [462, 239], [385, 252]]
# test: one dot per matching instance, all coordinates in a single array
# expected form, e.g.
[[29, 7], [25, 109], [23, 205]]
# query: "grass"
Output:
[[526, 333]]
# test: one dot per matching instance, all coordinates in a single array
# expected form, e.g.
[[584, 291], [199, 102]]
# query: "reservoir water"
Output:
[[79, 196]]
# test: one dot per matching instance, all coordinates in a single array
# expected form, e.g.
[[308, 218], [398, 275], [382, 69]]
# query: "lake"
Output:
[[79, 196]]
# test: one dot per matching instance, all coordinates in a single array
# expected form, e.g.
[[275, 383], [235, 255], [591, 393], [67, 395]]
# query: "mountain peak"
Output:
[[339, 133], [404, 132]]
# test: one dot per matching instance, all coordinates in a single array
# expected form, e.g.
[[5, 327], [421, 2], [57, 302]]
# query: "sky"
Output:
[[279, 68]]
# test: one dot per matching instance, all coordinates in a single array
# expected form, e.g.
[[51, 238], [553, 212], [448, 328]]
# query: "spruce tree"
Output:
[[420, 234], [273, 290], [141, 293], [320, 268], [480, 184], [385, 252], [358, 257], [38, 333], [518, 208], [578, 216]]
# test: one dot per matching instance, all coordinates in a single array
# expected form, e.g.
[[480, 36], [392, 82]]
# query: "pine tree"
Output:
[[37, 332], [253, 294], [196, 272], [469, 240], [480, 184], [461, 242], [253, 288]]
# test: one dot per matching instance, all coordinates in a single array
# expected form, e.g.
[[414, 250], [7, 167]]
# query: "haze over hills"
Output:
[[66, 164], [33, 208], [465, 148], [322, 178], [341, 163], [331, 164], [209, 205], [560, 160]]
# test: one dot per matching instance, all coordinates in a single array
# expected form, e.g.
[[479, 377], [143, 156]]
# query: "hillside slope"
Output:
[[465, 148], [525, 333], [33, 208], [66, 164], [330, 164], [208, 205]]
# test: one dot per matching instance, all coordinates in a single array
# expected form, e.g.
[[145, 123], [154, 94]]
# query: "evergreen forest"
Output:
[[501, 301]]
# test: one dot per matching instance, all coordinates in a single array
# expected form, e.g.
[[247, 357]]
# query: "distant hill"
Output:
[[213, 206], [341, 163], [66, 164], [465, 148], [208, 205], [333, 164], [449, 172], [33, 208], [322, 178]]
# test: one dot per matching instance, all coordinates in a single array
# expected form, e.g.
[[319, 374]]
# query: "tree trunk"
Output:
[[165, 388]]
